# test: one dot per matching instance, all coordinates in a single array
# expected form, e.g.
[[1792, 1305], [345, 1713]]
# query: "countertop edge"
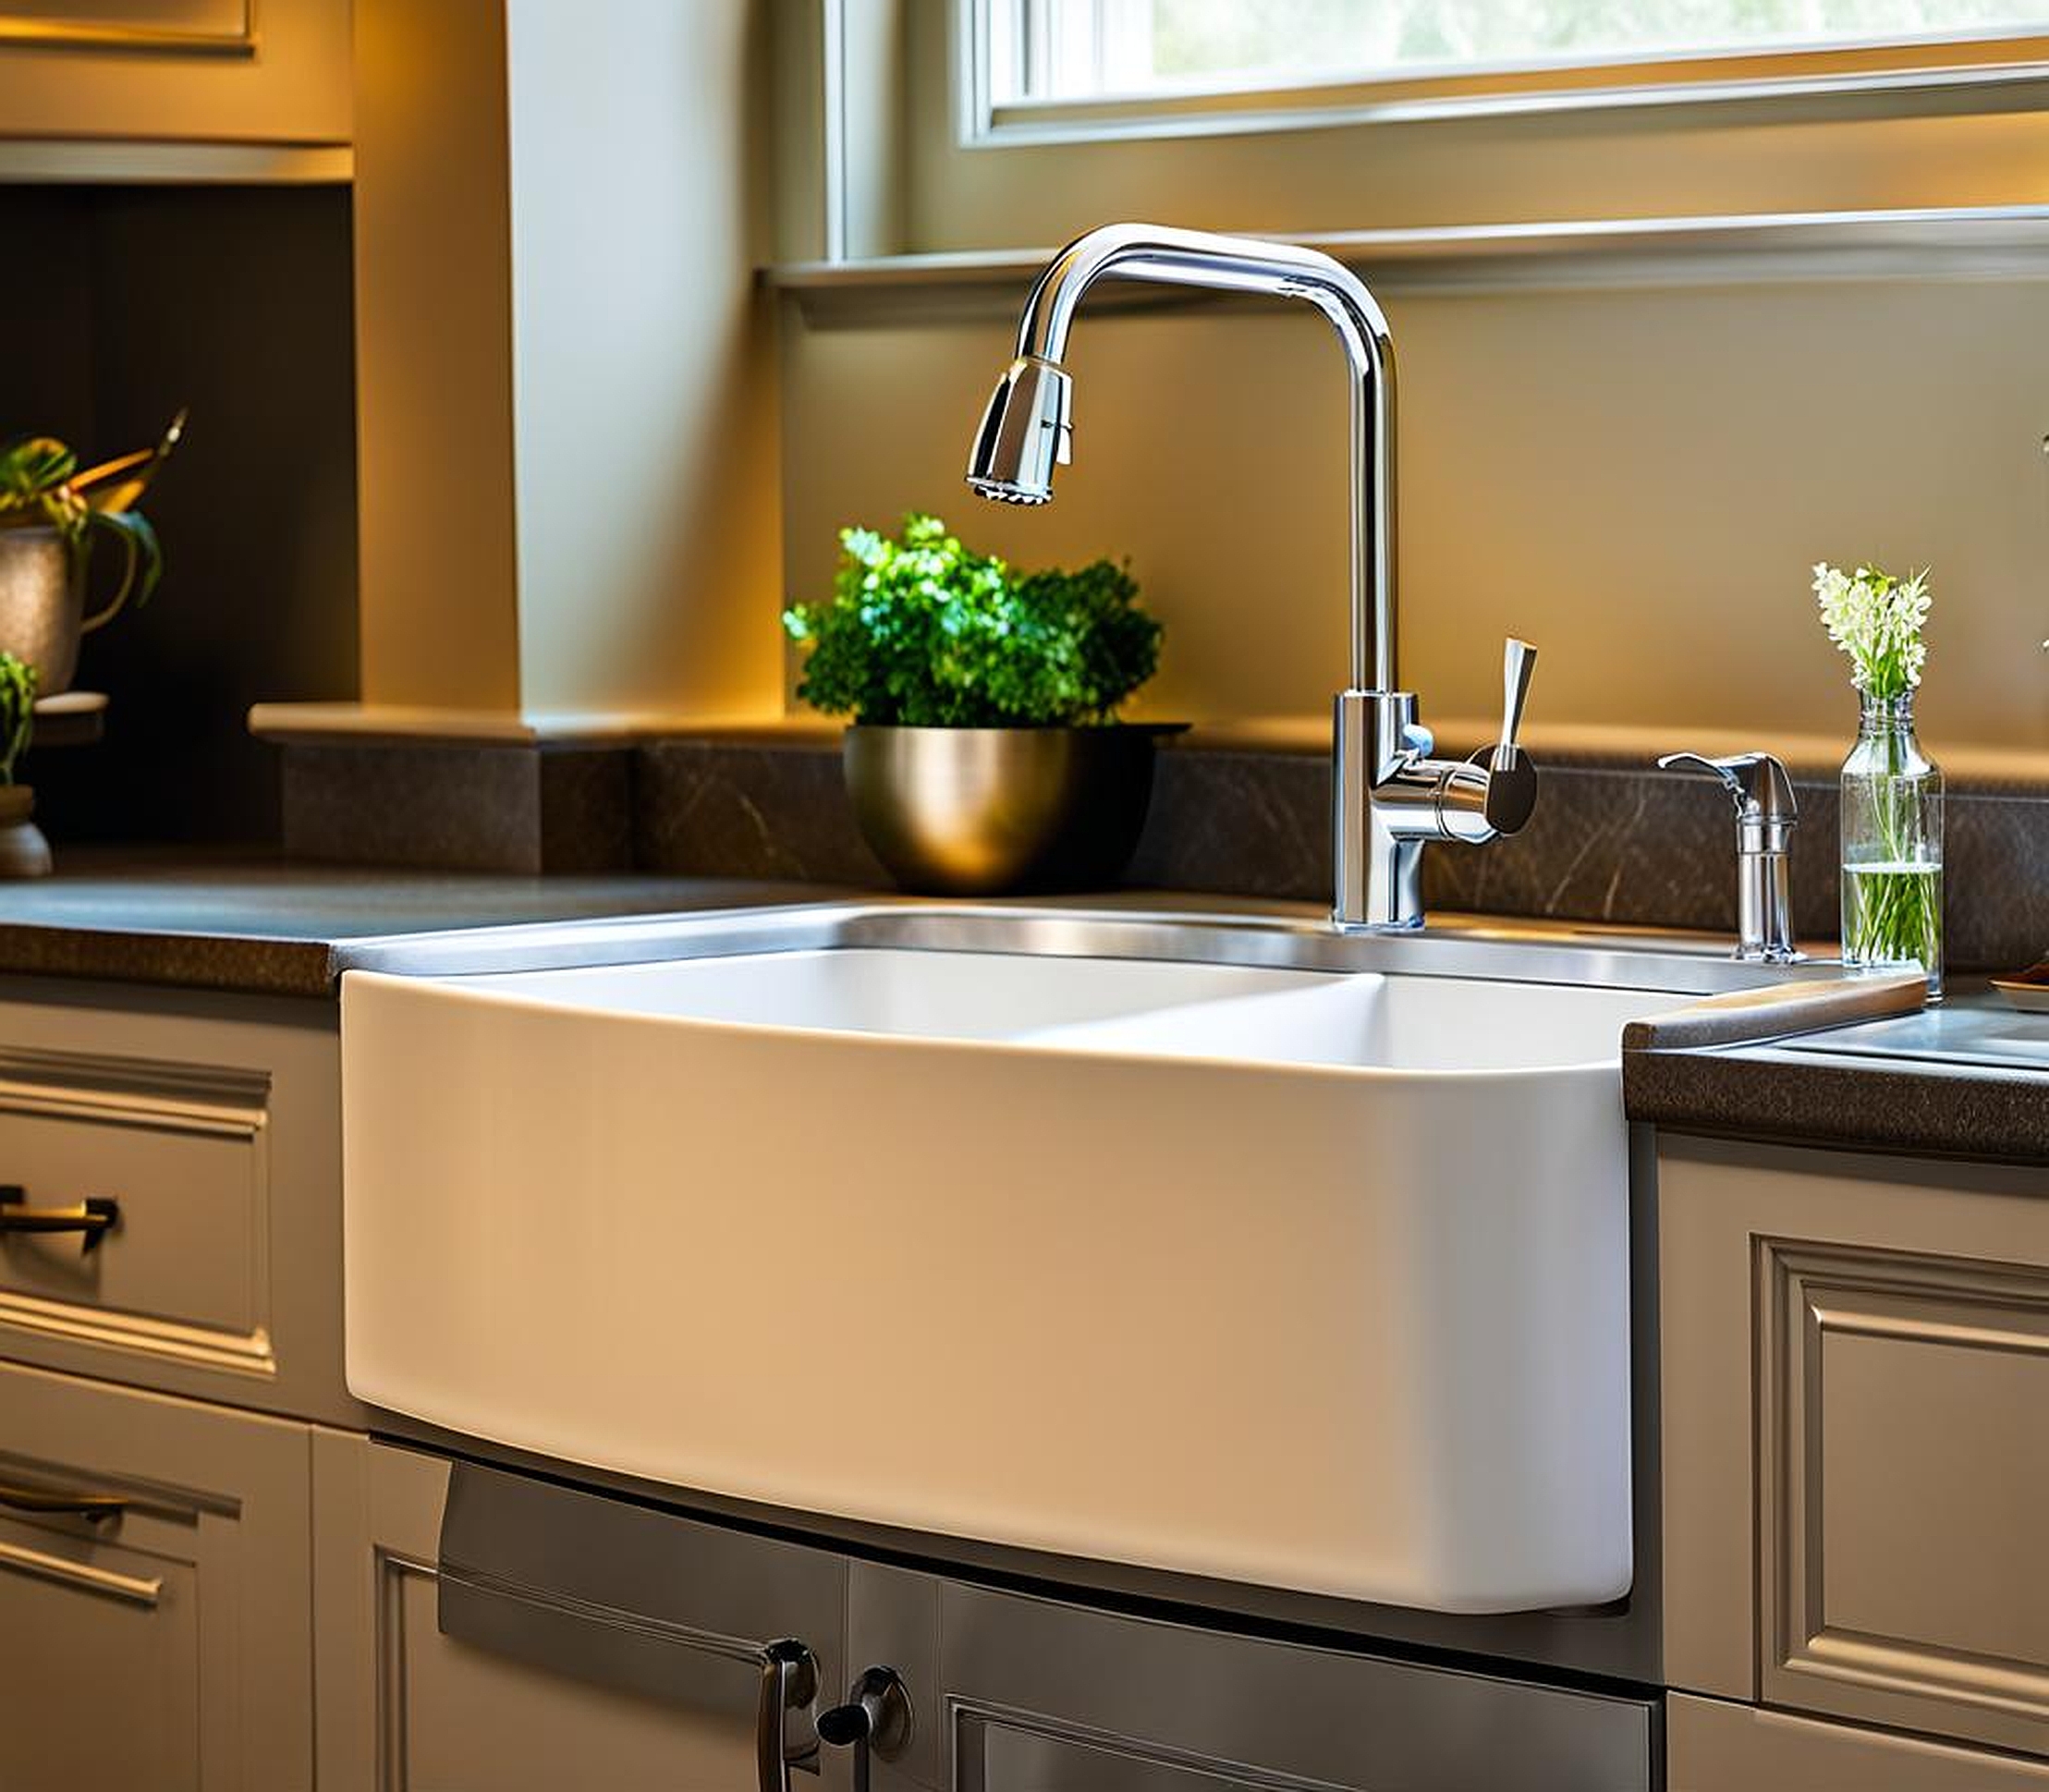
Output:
[[217, 963], [1807, 1098]]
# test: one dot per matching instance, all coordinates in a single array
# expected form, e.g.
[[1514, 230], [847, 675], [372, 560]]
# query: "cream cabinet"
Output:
[[206, 1133], [170, 1320], [504, 1680], [1855, 1387], [176, 71], [154, 1592]]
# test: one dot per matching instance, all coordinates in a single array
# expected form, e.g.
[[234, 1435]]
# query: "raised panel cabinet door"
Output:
[[208, 1130], [1855, 1403], [221, 71], [154, 1594], [597, 1645]]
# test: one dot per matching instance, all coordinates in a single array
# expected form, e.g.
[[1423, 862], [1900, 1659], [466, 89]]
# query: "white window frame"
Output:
[[1974, 61]]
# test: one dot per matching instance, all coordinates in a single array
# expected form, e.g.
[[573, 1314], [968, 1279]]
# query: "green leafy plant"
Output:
[[41, 485], [922, 632], [18, 685]]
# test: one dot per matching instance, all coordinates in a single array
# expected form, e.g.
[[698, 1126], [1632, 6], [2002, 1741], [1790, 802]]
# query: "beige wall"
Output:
[[1637, 481]]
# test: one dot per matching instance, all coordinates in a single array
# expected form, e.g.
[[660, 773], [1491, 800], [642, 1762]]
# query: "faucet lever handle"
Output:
[[1519, 664], [1509, 794]]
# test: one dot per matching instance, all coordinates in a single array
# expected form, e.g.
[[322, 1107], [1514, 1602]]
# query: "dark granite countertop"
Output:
[[265, 926], [1969, 1078]]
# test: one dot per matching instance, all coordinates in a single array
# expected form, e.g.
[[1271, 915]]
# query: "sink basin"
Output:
[[1240, 1251]]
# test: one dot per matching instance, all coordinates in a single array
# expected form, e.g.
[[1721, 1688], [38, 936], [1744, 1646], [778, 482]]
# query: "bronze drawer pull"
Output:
[[782, 1737], [95, 1216], [55, 1500], [82, 1575]]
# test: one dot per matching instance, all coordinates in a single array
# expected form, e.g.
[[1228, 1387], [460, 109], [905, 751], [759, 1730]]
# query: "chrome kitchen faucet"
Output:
[[1390, 796]]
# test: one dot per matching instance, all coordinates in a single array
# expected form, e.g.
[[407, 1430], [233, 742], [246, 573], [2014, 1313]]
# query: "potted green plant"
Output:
[[51, 514], [985, 754], [23, 850]]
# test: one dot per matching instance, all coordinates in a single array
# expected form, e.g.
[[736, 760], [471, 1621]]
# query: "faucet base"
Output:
[[1340, 925]]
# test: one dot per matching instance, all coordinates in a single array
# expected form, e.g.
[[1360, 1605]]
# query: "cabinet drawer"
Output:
[[208, 1133], [166, 1641], [180, 1152]]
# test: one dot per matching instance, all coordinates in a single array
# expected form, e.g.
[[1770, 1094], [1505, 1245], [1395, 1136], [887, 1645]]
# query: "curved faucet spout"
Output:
[[1389, 796], [1027, 430]]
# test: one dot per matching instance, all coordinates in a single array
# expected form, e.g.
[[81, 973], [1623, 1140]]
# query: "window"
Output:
[[1099, 65]]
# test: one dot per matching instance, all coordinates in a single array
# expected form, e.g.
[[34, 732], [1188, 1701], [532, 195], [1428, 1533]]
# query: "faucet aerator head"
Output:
[[1024, 434], [999, 492]]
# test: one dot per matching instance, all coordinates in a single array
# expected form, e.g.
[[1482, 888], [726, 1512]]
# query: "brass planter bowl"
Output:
[[42, 600], [986, 811]]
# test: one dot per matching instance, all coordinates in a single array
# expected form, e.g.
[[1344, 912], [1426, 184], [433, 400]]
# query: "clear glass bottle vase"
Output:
[[1892, 845]]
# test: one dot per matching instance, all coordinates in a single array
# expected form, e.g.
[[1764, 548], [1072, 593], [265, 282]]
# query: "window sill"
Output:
[[1974, 242]]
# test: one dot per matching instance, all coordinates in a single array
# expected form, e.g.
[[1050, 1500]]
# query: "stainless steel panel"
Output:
[[1142, 1705]]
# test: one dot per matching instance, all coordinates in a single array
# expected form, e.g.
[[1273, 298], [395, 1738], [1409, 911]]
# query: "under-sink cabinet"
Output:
[[488, 1631], [1855, 1387], [154, 1592]]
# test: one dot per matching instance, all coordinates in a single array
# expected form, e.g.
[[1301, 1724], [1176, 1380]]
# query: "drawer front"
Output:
[[207, 1130], [164, 1640], [180, 1150], [97, 1628]]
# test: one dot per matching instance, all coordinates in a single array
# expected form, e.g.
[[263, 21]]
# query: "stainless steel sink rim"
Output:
[[1505, 951]]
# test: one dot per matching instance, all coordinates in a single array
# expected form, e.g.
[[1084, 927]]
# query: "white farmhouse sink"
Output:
[[1310, 1278]]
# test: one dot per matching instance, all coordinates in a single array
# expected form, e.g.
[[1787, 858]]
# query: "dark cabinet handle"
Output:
[[52, 1500], [789, 1683], [876, 1719], [95, 1216]]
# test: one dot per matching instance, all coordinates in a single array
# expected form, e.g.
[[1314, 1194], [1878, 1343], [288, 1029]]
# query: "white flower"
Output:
[[1877, 621]]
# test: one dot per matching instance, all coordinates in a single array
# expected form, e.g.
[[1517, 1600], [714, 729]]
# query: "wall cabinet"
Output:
[[1856, 1440], [155, 1581], [176, 71]]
